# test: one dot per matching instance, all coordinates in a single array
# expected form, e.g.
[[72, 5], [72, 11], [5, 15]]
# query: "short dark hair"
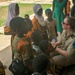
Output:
[[40, 63], [43, 45], [26, 15], [36, 37], [17, 23], [48, 10]]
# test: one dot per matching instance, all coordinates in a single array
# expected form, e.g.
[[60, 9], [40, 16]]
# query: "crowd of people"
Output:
[[35, 43]]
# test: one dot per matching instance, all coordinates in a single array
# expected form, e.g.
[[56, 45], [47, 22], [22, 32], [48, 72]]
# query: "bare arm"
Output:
[[62, 52]]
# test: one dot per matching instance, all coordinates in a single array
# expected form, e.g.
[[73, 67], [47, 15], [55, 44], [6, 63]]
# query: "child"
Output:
[[46, 48], [40, 64], [38, 20], [73, 9], [36, 37], [21, 45], [11, 14], [51, 23], [26, 16]]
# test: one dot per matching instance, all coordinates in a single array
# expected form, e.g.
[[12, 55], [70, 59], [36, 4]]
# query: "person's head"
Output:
[[36, 37], [41, 63], [69, 23], [37, 8], [13, 9], [48, 12], [26, 16], [46, 47], [17, 9], [19, 26]]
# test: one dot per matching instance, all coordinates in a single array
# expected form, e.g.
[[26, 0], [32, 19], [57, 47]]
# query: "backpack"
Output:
[[18, 68]]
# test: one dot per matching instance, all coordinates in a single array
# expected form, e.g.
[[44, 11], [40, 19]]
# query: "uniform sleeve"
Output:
[[71, 49]]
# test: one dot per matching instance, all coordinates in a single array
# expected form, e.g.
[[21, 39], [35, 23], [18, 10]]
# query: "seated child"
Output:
[[2, 70], [51, 25], [46, 48], [36, 37], [21, 45], [40, 64]]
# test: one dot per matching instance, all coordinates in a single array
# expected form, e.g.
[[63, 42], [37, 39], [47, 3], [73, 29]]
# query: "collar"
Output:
[[72, 34]]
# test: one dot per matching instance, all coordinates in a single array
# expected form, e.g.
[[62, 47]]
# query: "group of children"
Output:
[[31, 41], [26, 48], [25, 44]]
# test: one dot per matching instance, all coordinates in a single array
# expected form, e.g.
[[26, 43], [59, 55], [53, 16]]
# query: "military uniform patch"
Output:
[[74, 45]]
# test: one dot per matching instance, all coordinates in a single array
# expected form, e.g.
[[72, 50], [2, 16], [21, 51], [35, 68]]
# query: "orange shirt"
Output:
[[36, 25], [28, 34]]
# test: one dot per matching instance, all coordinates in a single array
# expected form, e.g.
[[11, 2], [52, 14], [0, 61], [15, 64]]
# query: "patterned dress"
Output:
[[22, 48], [51, 31]]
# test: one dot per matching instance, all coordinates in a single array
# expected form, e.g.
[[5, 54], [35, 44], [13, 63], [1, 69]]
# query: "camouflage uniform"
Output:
[[68, 44]]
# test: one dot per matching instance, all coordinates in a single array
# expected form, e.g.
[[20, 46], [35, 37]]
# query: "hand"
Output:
[[53, 44]]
